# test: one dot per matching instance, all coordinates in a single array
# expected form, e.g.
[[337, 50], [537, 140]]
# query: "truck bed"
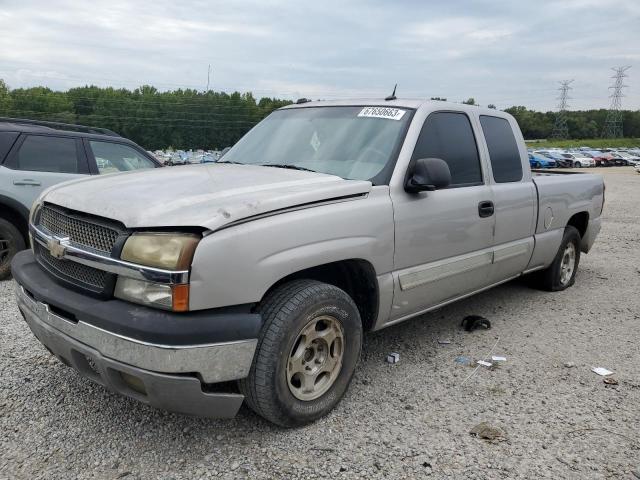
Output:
[[563, 194]]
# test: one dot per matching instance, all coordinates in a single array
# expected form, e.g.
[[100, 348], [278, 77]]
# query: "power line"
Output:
[[172, 120], [560, 129], [194, 101], [613, 123]]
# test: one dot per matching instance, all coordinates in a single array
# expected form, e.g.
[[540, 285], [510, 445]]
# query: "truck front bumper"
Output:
[[179, 377]]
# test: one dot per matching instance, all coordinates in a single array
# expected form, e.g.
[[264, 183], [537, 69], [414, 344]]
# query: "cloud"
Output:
[[498, 51]]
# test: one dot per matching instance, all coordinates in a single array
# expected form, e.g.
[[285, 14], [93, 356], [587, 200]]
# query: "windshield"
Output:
[[350, 142]]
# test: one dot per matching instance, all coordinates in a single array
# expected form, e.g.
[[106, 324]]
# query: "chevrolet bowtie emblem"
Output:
[[57, 246]]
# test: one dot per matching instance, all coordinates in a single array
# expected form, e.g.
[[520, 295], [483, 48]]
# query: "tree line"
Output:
[[179, 119], [189, 118]]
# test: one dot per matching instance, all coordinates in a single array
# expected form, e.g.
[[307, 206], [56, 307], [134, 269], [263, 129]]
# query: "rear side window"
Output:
[[47, 154], [449, 136], [503, 149], [6, 141], [115, 157]]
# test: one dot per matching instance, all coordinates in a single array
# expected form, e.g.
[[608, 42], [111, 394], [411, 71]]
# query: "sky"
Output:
[[501, 52]]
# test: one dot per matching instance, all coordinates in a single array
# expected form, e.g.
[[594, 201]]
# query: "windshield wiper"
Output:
[[284, 165], [229, 161]]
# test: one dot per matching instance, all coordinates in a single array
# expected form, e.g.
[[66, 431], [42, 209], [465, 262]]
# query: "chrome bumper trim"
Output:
[[108, 264], [217, 362]]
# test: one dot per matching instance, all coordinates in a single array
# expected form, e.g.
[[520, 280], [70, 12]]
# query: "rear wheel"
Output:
[[306, 355], [561, 274], [11, 242]]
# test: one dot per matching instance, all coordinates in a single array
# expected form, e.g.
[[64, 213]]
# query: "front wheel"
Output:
[[307, 353], [561, 274], [577, 164]]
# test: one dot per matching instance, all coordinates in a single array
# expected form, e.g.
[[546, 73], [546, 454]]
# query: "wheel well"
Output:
[[356, 277], [580, 221], [12, 215]]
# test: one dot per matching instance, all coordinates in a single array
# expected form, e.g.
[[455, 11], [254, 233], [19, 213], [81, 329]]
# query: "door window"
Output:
[[116, 157], [503, 149], [40, 153], [449, 136]]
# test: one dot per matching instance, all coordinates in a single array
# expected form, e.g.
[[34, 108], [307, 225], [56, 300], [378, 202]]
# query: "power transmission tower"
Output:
[[560, 129], [613, 123]]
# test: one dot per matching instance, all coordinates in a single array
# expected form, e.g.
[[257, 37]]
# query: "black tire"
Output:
[[577, 165], [550, 279], [286, 311], [11, 242]]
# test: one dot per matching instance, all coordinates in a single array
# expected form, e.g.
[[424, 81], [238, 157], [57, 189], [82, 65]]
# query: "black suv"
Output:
[[35, 155]]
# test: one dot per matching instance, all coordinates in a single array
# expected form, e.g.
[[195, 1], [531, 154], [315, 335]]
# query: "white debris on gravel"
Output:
[[393, 423], [393, 358]]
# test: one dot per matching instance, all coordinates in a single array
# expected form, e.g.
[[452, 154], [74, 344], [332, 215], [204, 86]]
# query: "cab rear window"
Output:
[[503, 149]]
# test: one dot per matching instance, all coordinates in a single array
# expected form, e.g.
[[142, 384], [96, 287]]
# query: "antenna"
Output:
[[560, 129], [208, 76], [613, 123], [393, 95]]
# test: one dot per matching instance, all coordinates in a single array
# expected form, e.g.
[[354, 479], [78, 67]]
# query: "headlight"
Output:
[[167, 297], [169, 251], [162, 250]]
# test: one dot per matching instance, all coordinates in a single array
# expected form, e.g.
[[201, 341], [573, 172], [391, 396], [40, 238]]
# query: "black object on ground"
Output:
[[472, 322]]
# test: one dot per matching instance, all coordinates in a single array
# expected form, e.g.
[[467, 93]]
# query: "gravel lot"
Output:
[[407, 420]]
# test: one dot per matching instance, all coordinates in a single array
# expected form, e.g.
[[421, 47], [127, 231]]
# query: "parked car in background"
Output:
[[579, 160], [616, 158], [207, 158], [35, 155], [540, 161], [555, 156], [629, 158], [602, 159]]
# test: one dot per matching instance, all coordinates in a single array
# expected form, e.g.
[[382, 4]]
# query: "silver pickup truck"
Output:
[[254, 278]]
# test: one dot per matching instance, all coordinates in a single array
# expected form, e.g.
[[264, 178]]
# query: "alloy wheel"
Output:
[[315, 360], [568, 263]]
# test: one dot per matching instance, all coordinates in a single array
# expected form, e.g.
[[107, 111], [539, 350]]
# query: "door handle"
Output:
[[27, 181], [485, 209]]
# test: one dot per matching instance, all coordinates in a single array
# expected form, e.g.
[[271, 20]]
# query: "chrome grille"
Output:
[[76, 273], [79, 230]]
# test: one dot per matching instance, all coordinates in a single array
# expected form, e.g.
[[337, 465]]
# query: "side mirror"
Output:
[[428, 174]]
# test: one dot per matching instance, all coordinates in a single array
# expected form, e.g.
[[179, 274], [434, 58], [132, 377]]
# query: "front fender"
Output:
[[239, 264]]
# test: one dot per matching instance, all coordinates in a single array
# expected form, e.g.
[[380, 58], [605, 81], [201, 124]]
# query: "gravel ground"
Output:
[[407, 420]]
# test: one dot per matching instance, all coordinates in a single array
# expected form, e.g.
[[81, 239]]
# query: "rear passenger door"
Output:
[[514, 198], [37, 162], [444, 242]]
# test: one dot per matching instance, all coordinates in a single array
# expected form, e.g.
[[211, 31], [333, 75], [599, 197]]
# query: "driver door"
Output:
[[443, 239]]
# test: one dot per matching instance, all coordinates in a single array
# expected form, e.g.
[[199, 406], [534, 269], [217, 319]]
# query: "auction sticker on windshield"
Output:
[[382, 112]]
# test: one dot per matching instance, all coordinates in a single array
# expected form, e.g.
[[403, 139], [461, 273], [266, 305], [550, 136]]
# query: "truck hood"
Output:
[[209, 196]]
